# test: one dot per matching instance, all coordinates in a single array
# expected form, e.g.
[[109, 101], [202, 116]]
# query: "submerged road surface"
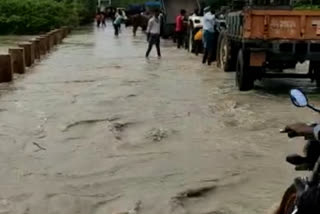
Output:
[[96, 129]]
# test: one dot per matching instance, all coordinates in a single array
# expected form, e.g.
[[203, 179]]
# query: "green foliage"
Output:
[[307, 5], [125, 3], [36, 16], [217, 4]]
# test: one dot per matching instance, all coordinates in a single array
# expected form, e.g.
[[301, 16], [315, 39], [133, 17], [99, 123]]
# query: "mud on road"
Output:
[[95, 128]]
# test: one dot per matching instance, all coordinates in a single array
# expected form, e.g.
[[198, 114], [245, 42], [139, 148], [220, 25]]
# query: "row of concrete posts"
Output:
[[27, 53]]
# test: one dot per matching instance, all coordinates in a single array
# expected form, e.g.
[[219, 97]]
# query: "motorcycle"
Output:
[[303, 196]]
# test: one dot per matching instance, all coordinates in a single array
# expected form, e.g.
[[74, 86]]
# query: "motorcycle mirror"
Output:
[[298, 98]]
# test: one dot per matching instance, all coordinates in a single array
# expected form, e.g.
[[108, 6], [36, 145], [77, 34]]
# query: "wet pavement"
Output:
[[96, 128]]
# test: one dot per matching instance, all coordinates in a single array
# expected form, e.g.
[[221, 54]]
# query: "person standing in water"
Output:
[[117, 23], [153, 33], [98, 19], [208, 35], [180, 31], [103, 19]]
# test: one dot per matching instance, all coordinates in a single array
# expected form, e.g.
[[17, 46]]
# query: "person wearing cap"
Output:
[[208, 35]]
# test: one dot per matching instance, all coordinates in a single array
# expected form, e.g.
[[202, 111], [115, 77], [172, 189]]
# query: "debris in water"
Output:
[[135, 210], [197, 192], [157, 134], [177, 203], [66, 128], [39, 147], [118, 127], [132, 95], [5, 206]]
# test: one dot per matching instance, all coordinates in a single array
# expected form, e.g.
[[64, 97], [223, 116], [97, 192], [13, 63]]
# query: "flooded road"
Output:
[[95, 128]]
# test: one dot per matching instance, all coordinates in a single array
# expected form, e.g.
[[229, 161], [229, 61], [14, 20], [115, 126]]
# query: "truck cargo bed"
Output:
[[281, 24]]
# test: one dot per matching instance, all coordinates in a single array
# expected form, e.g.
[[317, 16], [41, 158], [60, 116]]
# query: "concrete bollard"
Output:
[[67, 30], [27, 53], [5, 68], [33, 51], [37, 48], [48, 42], [56, 37], [53, 33], [17, 60], [64, 32], [43, 45], [59, 36], [51, 40]]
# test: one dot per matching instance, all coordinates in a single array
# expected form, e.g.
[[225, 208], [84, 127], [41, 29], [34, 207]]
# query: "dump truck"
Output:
[[172, 9], [263, 41]]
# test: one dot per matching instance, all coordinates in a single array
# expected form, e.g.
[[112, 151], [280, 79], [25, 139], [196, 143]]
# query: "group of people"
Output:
[[101, 19], [205, 36], [154, 29], [117, 18]]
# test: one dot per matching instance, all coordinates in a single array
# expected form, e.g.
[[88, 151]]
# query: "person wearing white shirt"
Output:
[[117, 23], [153, 32], [208, 35]]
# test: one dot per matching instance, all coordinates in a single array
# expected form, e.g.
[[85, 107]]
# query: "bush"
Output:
[[307, 5], [36, 16], [217, 4]]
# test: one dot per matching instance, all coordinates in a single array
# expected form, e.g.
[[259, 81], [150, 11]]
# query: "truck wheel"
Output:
[[317, 77], [226, 57], [218, 50], [190, 40], [244, 78], [314, 70]]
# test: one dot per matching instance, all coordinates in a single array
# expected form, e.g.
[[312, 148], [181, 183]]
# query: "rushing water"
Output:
[[95, 128], [11, 41]]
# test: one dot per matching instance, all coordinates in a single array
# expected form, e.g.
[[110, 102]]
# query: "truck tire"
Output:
[[218, 50], [226, 57], [190, 37], [317, 77], [314, 70], [244, 78]]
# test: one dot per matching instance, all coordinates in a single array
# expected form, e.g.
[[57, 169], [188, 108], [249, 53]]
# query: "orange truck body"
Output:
[[281, 24]]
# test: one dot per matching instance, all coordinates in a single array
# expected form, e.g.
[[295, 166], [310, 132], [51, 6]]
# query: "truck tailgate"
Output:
[[282, 24]]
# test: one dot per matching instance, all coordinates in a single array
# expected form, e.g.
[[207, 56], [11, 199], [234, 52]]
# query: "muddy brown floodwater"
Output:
[[96, 129]]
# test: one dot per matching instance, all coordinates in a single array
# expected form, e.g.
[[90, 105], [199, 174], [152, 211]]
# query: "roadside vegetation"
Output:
[[307, 5], [125, 3], [36, 16]]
